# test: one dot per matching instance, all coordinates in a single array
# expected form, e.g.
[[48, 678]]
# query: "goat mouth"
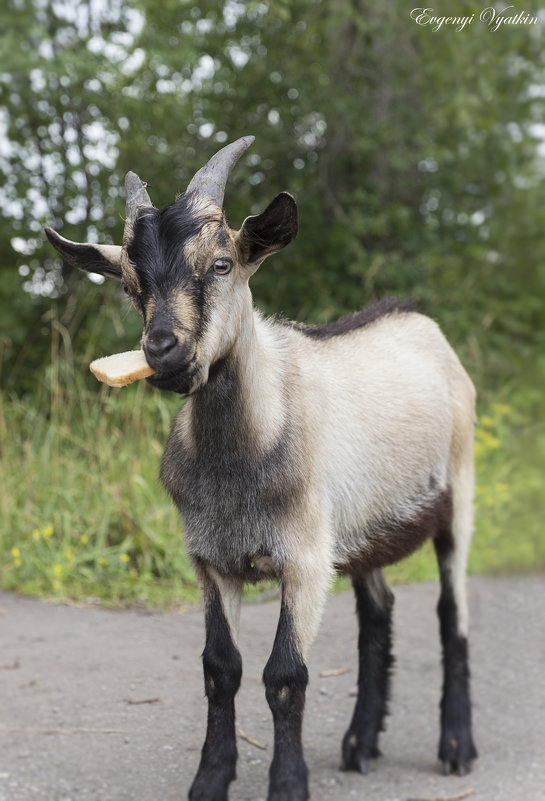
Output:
[[179, 380]]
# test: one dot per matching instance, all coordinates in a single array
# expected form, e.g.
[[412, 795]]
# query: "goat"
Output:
[[300, 451]]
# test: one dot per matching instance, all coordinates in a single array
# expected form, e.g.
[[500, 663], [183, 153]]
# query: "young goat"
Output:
[[300, 451]]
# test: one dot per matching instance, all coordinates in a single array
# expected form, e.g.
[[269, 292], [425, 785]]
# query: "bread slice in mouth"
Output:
[[121, 369]]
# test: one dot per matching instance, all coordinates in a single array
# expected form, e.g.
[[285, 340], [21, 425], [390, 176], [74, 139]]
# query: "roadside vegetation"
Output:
[[417, 158], [83, 515]]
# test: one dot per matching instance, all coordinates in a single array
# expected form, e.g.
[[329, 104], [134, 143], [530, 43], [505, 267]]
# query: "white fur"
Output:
[[380, 411]]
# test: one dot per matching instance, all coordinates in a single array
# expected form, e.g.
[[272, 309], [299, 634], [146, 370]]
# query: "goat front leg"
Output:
[[222, 674], [286, 678]]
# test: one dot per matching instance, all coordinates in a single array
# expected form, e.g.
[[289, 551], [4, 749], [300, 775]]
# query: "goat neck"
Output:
[[245, 394]]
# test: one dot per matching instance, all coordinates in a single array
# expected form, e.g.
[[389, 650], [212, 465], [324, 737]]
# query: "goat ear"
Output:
[[102, 259], [269, 231]]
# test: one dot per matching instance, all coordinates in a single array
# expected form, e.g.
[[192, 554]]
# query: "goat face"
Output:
[[188, 283], [186, 271], [189, 278]]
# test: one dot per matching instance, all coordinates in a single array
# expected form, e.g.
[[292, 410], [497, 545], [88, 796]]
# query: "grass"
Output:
[[83, 515], [83, 512]]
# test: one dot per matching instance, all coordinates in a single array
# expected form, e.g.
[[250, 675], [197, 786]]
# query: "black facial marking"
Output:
[[202, 297], [156, 248], [170, 286], [222, 238]]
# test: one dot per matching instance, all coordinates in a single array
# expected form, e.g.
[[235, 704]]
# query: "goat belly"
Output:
[[121, 369]]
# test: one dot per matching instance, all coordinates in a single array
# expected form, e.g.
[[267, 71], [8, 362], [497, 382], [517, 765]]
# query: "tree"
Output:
[[412, 153]]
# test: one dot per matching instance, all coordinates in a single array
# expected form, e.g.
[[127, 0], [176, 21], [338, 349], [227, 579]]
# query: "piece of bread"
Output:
[[121, 369]]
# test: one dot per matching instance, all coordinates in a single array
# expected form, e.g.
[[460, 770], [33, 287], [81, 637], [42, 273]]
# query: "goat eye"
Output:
[[223, 266], [125, 289]]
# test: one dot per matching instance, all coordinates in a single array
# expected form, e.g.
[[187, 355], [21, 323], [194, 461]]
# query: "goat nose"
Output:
[[160, 346]]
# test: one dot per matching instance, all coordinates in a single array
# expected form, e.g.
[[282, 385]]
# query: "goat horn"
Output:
[[136, 195], [209, 182]]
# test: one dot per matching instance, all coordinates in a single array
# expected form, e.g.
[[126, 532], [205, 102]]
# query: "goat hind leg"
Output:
[[222, 674], [374, 602], [456, 746]]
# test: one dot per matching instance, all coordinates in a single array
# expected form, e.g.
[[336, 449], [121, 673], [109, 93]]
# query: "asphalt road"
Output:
[[109, 706]]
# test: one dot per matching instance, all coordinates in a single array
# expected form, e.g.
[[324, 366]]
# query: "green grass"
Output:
[[83, 512], [509, 500], [83, 515]]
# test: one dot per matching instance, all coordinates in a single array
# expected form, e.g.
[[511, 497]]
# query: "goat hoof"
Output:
[[457, 753], [359, 765], [210, 786], [356, 757], [363, 765], [292, 792], [459, 767]]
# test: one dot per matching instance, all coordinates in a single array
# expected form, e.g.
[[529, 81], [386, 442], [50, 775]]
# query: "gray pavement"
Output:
[[109, 706]]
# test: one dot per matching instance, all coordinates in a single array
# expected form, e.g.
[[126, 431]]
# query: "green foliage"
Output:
[[416, 157], [412, 153], [509, 502], [83, 513]]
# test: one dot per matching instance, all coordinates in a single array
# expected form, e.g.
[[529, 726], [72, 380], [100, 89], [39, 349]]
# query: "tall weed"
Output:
[[83, 514]]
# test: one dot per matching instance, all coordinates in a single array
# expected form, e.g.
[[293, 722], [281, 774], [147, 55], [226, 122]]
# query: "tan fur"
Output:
[[300, 455], [399, 410], [110, 252], [130, 276], [384, 415], [151, 306], [229, 590], [186, 313], [306, 579], [462, 481]]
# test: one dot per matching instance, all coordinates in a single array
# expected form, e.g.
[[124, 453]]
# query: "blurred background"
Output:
[[417, 157]]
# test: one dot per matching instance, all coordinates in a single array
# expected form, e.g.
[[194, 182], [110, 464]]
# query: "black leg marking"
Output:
[[374, 608], [286, 677], [222, 673], [456, 747]]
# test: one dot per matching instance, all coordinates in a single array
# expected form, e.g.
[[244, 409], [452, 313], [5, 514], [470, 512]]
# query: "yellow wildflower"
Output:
[[124, 558], [84, 539], [36, 534], [15, 552], [487, 440], [103, 561], [48, 531], [69, 553], [58, 570]]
